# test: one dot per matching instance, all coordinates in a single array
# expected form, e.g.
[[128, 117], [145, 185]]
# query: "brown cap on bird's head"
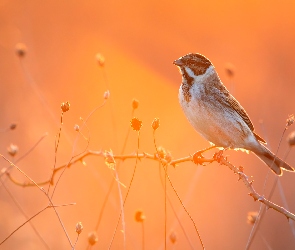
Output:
[[196, 62]]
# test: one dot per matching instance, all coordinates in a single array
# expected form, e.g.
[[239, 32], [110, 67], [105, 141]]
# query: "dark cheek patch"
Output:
[[199, 70]]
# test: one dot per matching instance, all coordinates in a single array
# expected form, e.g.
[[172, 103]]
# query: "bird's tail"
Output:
[[273, 162]]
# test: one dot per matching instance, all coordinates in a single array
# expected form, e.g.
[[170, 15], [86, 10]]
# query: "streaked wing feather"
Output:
[[236, 106], [259, 138], [239, 109]]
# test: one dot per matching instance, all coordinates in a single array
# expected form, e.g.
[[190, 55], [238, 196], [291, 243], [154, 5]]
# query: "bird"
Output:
[[216, 115]]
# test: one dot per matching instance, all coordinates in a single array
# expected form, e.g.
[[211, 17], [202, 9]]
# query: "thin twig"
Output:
[[128, 190], [28, 220], [31, 149], [25, 215], [76, 242], [78, 156], [250, 187], [43, 191], [55, 150], [24, 155], [113, 180], [187, 212], [142, 231], [262, 209], [175, 214]]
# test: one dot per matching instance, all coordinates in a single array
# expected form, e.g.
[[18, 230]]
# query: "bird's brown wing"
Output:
[[259, 138], [239, 109]]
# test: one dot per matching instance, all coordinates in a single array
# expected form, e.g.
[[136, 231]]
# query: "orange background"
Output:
[[140, 40]]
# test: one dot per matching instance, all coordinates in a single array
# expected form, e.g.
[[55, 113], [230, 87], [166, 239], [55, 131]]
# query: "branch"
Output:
[[197, 158], [257, 197]]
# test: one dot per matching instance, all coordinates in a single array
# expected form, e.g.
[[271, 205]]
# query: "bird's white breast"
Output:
[[213, 121]]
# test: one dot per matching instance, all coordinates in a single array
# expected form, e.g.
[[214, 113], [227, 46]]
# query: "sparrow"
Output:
[[216, 114]]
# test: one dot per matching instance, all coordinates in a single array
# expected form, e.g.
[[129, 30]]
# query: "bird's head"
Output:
[[193, 63]]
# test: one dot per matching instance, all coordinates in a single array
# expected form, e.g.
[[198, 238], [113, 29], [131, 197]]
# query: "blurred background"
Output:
[[139, 40]]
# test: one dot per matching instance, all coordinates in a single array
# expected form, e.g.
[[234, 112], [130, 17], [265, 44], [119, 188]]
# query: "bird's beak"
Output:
[[178, 62]]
